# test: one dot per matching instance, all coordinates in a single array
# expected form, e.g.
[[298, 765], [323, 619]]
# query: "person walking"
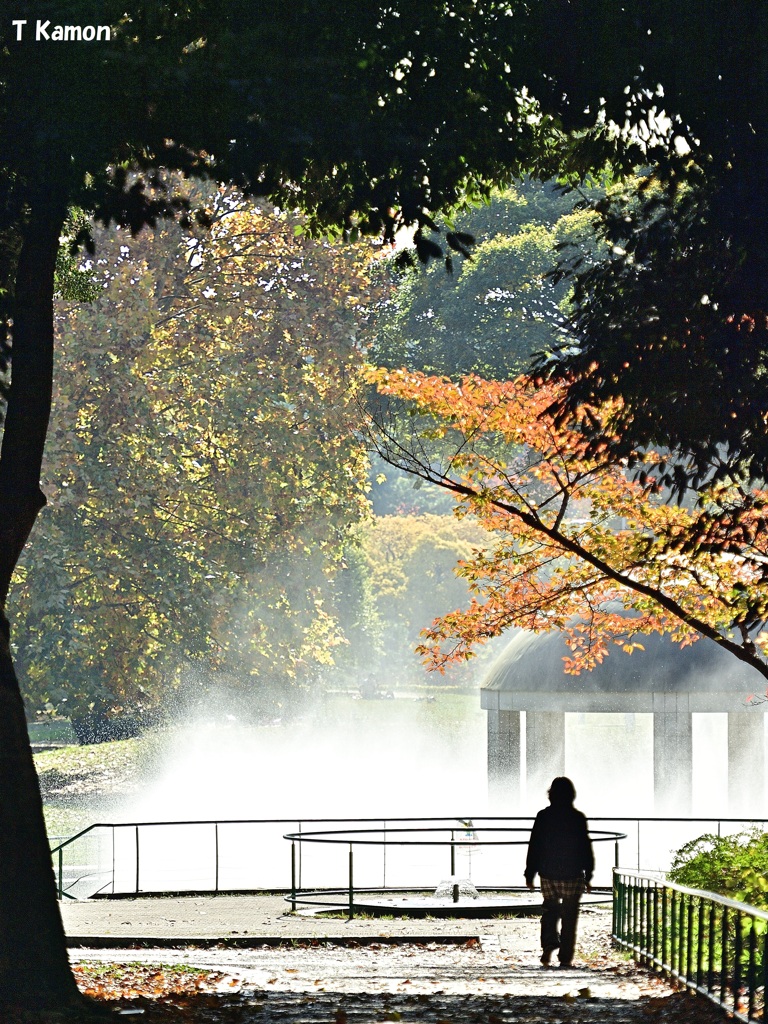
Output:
[[560, 852]]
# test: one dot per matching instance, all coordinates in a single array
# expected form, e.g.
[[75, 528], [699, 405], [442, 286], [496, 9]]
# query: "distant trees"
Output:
[[202, 466], [409, 565], [500, 306]]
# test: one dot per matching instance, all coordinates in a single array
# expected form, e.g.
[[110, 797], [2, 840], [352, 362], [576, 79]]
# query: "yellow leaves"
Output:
[[206, 418]]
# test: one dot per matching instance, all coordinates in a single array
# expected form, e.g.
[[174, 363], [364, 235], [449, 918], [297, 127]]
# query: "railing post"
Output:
[[655, 925], [689, 944], [700, 945], [216, 841], [351, 885], [631, 910], [738, 950], [751, 986], [137, 858], [293, 875], [711, 950], [61, 873], [622, 922], [641, 894], [673, 936], [665, 964], [453, 855], [723, 955]]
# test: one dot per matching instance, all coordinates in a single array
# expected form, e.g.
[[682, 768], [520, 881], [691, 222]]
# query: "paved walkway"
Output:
[[254, 920], [295, 954]]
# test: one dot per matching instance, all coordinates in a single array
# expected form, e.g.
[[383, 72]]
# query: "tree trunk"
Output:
[[34, 967]]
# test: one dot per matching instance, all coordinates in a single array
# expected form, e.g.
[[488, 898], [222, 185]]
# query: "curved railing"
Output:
[[453, 839], [712, 945]]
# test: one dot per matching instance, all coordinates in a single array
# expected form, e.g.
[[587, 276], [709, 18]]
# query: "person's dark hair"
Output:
[[561, 791]]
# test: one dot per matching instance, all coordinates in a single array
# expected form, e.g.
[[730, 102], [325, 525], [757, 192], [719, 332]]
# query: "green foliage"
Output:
[[73, 282], [673, 324], [411, 568], [203, 465], [735, 866], [499, 306]]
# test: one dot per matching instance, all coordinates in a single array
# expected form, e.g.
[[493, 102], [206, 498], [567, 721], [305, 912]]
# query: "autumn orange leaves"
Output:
[[578, 541]]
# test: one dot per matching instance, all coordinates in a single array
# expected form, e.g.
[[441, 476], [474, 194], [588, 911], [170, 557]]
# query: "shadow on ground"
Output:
[[354, 1008]]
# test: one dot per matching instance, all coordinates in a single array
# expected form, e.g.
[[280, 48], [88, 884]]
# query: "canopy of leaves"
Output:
[[374, 116], [674, 322], [500, 306], [384, 112], [579, 541], [202, 467]]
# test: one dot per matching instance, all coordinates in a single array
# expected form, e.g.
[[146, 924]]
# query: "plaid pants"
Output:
[[562, 888], [561, 906]]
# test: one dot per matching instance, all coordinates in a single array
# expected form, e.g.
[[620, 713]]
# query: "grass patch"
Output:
[[80, 784], [89, 767]]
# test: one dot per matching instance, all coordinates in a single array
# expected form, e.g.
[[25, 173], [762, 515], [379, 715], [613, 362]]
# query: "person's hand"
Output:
[[530, 885], [588, 887]]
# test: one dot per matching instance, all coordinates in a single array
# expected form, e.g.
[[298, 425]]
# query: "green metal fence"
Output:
[[712, 945]]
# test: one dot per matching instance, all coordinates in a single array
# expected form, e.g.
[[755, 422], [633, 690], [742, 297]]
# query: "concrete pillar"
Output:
[[746, 764], [672, 762], [544, 752], [504, 761]]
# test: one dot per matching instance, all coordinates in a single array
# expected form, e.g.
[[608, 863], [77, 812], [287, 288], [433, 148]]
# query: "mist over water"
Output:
[[387, 759], [405, 757], [345, 758]]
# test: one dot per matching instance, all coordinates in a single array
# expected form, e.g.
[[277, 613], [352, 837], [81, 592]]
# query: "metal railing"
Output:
[[441, 837], [251, 855], [712, 945], [124, 858], [128, 858]]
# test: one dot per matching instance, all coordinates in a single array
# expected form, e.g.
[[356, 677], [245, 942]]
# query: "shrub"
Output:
[[735, 866]]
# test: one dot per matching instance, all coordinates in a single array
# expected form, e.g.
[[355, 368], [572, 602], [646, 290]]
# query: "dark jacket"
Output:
[[559, 846]]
